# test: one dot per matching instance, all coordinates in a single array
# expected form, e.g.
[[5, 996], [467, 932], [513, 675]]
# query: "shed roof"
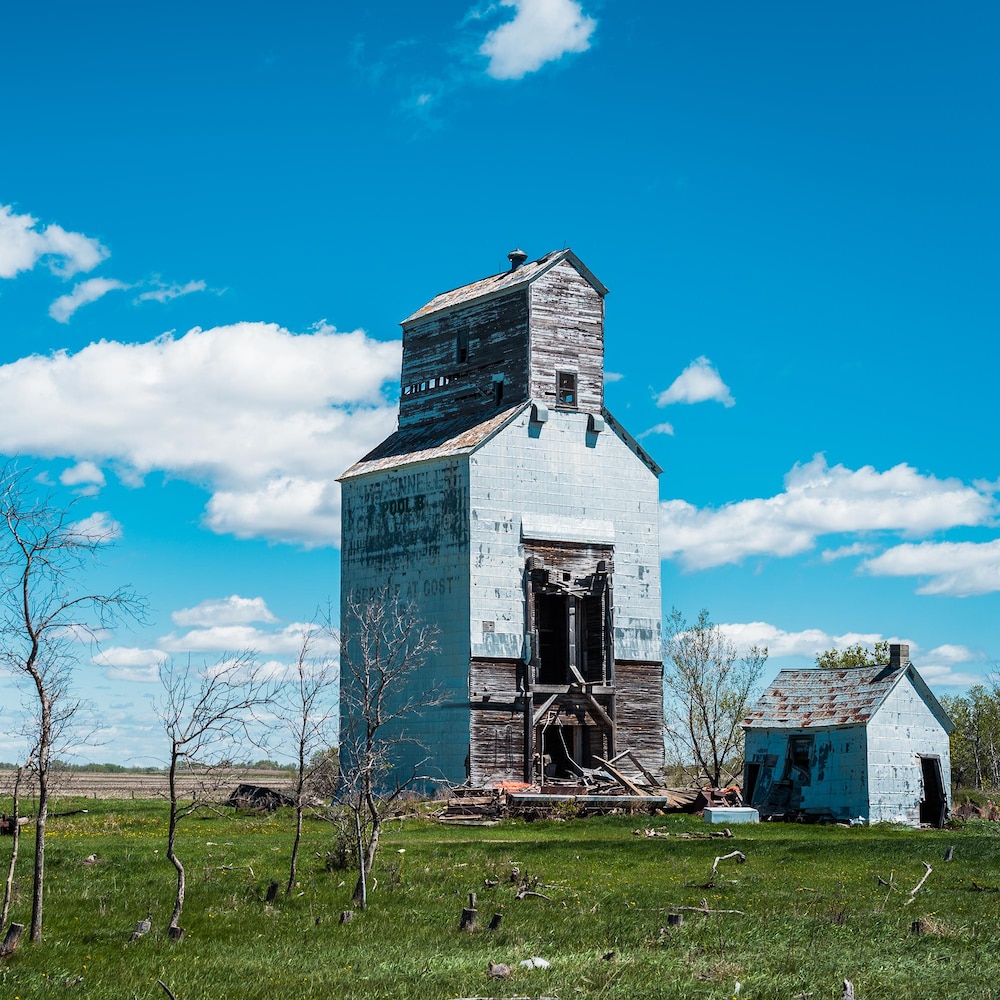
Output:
[[435, 439], [815, 698], [496, 284]]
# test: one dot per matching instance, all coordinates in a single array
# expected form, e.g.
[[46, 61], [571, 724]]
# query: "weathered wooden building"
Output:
[[870, 742], [522, 520]]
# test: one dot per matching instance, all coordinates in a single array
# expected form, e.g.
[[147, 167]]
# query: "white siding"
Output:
[[560, 470]]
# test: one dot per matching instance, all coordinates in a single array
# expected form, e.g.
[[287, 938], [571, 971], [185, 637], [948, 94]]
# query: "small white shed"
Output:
[[869, 743]]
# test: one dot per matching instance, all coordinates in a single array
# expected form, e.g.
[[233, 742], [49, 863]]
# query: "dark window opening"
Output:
[[797, 762], [552, 623], [594, 635], [566, 388], [497, 393], [462, 347], [752, 777]]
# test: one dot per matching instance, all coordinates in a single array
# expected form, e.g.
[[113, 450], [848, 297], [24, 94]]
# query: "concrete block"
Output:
[[731, 814]]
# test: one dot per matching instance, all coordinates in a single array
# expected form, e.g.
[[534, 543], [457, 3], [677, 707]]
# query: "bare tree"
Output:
[[708, 686], [204, 712], [46, 611], [384, 648], [309, 711]]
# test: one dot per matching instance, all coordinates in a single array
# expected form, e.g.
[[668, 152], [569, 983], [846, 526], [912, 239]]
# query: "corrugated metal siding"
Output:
[[408, 528]]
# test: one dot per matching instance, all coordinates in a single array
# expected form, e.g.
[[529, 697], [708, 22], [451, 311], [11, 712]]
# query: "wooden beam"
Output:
[[628, 785]]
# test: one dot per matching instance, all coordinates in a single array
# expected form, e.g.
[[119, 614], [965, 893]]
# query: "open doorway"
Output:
[[934, 803]]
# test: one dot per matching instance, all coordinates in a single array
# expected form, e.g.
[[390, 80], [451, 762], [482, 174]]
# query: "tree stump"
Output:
[[848, 993], [347, 916], [495, 922], [11, 940], [272, 891], [468, 921], [674, 920], [176, 934]]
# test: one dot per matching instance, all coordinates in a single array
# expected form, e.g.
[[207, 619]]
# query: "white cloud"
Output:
[[264, 418], [82, 474], [23, 245], [807, 643], [956, 569], [540, 32], [819, 500], [954, 654], [98, 527], [698, 383], [613, 377], [664, 428], [130, 663], [233, 610], [84, 292], [233, 638], [164, 293]]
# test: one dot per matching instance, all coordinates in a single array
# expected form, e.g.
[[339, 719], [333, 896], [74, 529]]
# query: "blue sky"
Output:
[[215, 215]]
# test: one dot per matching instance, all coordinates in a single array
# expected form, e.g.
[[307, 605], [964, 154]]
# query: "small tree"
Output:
[[46, 611], [204, 712], [975, 742], [384, 646], [707, 686], [308, 710], [854, 656]]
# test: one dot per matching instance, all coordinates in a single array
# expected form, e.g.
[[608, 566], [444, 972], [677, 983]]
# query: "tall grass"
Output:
[[813, 911]]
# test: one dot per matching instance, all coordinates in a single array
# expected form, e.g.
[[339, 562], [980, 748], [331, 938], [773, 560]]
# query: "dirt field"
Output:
[[85, 784]]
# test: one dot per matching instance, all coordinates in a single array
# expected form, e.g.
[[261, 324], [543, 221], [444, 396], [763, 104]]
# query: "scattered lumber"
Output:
[[622, 780]]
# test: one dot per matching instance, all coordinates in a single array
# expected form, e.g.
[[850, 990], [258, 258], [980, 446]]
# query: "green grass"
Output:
[[813, 911]]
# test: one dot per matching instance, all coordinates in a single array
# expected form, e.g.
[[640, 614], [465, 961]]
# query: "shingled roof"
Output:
[[497, 284], [814, 698]]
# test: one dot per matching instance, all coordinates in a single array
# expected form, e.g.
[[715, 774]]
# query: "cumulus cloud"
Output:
[[264, 418], [540, 32], [820, 500], [23, 245], [806, 643], [955, 569], [233, 610], [84, 292], [130, 663], [698, 383], [86, 477], [164, 293], [286, 641], [847, 552], [610, 377]]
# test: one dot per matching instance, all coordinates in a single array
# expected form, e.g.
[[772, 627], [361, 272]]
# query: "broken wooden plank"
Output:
[[620, 778]]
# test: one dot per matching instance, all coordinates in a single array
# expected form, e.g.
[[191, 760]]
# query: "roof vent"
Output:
[[516, 258]]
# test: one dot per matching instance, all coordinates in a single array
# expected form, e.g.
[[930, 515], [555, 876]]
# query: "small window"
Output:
[[497, 393], [566, 389], [462, 347]]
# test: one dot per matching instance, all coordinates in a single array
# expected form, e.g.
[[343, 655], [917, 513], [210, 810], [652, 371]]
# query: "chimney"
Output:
[[899, 655], [516, 258]]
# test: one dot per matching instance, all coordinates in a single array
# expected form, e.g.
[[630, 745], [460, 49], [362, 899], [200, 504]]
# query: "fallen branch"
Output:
[[524, 893], [916, 888], [739, 855]]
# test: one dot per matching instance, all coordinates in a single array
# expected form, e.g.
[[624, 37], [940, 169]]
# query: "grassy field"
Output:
[[812, 911]]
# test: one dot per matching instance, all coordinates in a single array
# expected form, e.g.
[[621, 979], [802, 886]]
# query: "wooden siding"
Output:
[[495, 335], [567, 334], [497, 722], [639, 711]]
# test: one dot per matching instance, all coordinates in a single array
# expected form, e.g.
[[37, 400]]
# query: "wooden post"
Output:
[[346, 916], [468, 921], [674, 920], [176, 934], [272, 891], [495, 922]]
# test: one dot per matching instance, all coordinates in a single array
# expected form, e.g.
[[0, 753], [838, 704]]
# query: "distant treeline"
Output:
[[62, 765]]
